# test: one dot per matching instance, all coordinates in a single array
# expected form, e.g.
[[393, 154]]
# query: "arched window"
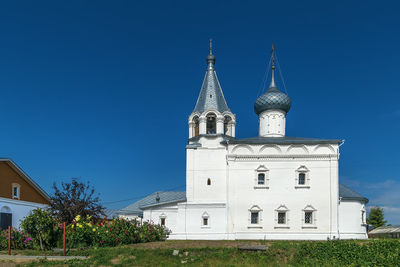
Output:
[[208, 181], [5, 218], [227, 125], [302, 178], [261, 178], [211, 123], [196, 126]]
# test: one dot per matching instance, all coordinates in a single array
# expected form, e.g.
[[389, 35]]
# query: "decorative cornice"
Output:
[[237, 157]]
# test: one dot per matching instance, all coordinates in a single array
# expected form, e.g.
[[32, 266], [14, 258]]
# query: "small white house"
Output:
[[19, 194], [266, 187]]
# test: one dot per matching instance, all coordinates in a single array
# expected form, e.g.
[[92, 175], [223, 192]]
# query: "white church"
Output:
[[267, 187]]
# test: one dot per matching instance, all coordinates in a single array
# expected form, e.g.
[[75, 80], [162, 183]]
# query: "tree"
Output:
[[73, 199], [42, 227], [376, 217]]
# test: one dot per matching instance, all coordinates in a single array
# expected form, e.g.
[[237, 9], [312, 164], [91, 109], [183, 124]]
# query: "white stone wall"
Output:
[[206, 162], [234, 192], [169, 212], [352, 225], [19, 209], [272, 123], [282, 163]]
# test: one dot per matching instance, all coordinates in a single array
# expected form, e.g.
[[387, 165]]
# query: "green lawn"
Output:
[[225, 253]]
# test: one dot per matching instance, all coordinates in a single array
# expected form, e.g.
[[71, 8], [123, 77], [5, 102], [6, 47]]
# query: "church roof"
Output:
[[279, 140], [347, 194], [211, 95], [163, 197]]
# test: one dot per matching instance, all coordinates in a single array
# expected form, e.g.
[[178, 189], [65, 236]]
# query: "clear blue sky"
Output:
[[101, 90]]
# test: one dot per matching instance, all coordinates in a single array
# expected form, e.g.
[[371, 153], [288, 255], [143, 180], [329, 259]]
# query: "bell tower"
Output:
[[211, 115]]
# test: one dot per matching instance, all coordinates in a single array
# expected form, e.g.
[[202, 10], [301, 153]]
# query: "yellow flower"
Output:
[[94, 229], [79, 225], [73, 226], [78, 217]]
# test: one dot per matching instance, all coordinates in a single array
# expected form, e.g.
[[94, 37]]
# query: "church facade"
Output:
[[267, 187]]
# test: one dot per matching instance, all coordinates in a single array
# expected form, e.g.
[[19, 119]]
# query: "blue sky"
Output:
[[101, 90]]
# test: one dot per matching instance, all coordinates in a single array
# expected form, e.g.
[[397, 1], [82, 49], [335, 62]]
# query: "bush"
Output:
[[43, 228], [19, 240], [350, 253], [85, 233]]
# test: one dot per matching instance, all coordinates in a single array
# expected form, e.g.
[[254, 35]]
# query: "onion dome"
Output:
[[273, 98]]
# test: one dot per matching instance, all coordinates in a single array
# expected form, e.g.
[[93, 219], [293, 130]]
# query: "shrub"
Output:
[[85, 233], [19, 240], [42, 227]]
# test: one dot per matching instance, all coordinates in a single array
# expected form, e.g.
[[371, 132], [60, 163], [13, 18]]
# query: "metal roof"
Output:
[[386, 230], [347, 194], [272, 99], [211, 96], [164, 197]]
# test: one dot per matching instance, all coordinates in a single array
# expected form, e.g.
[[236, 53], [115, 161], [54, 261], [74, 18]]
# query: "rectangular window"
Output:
[[205, 221], [254, 217], [163, 221], [281, 217], [308, 218], [15, 192], [261, 178], [302, 178]]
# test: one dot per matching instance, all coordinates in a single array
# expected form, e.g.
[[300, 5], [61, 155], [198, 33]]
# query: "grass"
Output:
[[225, 253]]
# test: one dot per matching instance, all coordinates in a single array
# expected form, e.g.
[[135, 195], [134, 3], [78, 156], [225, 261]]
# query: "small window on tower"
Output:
[[208, 181], [205, 221], [162, 221]]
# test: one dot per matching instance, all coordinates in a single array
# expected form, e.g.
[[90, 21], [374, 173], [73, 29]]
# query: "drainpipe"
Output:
[[227, 190]]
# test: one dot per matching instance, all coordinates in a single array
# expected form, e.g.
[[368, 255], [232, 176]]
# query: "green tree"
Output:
[[42, 227], [376, 217], [73, 199]]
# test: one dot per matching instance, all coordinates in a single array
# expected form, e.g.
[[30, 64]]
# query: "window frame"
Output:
[[261, 170], [203, 217], [363, 216], [282, 209], [18, 187], [302, 170], [163, 216], [313, 224], [258, 210]]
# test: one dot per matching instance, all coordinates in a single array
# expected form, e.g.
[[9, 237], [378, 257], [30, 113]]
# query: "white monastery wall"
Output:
[[354, 228]]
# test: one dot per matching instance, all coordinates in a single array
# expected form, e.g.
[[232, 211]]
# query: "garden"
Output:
[[42, 231]]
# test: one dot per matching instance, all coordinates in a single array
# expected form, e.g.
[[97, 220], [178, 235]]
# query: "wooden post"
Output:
[[9, 240], [64, 239]]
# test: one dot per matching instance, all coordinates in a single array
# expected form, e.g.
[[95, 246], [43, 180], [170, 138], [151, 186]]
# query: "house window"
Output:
[[208, 181], [162, 221], [205, 222], [302, 178], [5, 218], [308, 217], [261, 178], [282, 217], [16, 190], [254, 217]]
